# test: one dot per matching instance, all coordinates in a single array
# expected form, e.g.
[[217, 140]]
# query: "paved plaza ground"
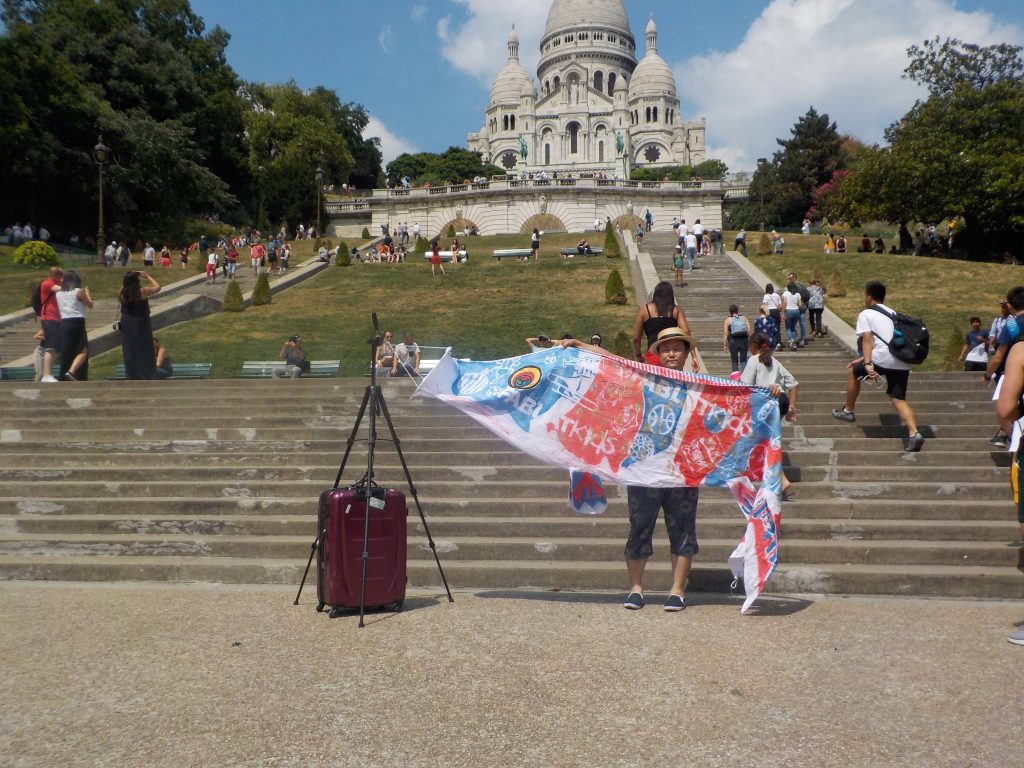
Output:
[[178, 675]]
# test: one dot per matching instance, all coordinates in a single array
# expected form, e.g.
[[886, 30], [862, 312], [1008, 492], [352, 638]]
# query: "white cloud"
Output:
[[391, 146], [477, 46], [385, 38], [843, 57]]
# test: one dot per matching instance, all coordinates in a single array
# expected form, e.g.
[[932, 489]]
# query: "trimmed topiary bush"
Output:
[[343, 257], [35, 253], [233, 301], [261, 293], [836, 285], [764, 245], [611, 244], [622, 345], [421, 246], [614, 289], [451, 230], [365, 234]]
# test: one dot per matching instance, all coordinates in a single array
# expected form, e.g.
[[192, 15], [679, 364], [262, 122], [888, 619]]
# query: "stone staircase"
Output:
[[186, 481]]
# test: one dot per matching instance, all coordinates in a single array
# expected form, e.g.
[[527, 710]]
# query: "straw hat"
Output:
[[669, 334]]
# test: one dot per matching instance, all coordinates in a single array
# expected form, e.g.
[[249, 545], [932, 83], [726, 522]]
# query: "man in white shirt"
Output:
[[874, 329], [407, 358], [148, 255]]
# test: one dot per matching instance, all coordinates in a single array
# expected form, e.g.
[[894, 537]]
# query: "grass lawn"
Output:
[[942, 292], [17, 282], [484, 309]]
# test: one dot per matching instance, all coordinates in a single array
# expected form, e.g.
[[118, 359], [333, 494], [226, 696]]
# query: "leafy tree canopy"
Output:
[[709, 169], [941, 65], [452, 166]]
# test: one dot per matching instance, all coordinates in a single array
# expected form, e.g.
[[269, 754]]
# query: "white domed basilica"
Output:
[[597, 109]]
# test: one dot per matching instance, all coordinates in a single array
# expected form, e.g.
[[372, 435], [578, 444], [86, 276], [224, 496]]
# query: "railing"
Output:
[[730, 189]]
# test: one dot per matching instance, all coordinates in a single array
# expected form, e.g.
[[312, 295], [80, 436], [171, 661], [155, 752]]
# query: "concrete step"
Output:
[[920, 580], [1003, 532], [714, 503]]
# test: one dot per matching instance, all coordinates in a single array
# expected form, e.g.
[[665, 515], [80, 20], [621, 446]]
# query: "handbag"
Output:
[[117, 321]]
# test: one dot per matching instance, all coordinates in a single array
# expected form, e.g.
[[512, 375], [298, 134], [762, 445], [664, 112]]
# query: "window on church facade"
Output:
[[648, 115], [547, 154], [558, 82], [655, 113], [512, 122], [611, 83], [599, 81], [600, 151], [574, 138]]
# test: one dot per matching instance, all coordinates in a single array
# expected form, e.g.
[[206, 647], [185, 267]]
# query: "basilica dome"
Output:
[[513, 81], [652, 76], [570, 14]]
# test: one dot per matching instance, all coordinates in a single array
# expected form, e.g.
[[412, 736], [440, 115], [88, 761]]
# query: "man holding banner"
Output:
[[680, 504]]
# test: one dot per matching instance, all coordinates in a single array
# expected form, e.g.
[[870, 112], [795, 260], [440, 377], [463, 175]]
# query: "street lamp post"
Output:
[[319, 187], [760, 187], [100, 153]]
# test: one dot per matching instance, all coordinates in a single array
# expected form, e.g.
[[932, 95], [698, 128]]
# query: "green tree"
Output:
[[233, 301], [452, 166], [611, 243], [615, 289], [343, 258], [261, 294], [707, 170], [942, 65]]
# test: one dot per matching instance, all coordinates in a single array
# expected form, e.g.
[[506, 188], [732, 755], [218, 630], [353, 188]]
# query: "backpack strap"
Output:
[[891, 317]]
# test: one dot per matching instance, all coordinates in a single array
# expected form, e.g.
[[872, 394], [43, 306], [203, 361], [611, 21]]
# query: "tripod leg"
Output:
[[415, 496], [312, 552], [352, 436]]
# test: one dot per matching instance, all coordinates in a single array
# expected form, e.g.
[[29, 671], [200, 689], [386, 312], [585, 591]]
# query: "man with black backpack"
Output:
[[805, 298], [879, 330]]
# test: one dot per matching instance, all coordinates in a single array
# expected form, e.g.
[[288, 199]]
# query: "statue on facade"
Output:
[[543, 203], [524, 151], [620, 143]]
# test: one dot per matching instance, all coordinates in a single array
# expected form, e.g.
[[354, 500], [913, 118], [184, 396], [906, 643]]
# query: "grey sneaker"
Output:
[[844, 415], [1017, 638], [999, 440], [675, 603], [915, 443], [634, 601]]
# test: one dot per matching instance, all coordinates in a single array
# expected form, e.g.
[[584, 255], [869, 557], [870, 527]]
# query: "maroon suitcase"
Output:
[[340, 555]]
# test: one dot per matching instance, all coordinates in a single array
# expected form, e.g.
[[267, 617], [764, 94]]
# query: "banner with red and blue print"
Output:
[[633, 424]]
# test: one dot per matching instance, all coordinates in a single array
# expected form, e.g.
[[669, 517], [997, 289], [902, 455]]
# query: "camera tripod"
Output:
[[373, 397]]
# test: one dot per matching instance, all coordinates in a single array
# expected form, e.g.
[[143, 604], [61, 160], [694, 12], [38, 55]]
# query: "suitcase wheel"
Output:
[[398, 606]]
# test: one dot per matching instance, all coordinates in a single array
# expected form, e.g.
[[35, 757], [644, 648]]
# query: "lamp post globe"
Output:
[[101, 154]]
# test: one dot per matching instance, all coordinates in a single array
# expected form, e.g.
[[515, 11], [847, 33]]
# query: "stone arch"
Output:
[[541, 221], [460, 224], [627, 222]]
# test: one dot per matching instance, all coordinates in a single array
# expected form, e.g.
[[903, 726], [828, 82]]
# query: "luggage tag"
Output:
[[376, 503]]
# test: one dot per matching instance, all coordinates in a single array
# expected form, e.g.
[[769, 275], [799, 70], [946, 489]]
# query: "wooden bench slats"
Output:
[[575, 252], [181, 371]]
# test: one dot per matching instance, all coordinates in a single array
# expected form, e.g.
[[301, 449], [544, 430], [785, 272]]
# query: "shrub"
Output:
[[421, 246], [764, 245], [35, 253], [366, 233], [622, 345], [233, 301], [261, 293], [614, 289], [451, 230], [611, 244], [836, 286], [344, 258], [951, 355]]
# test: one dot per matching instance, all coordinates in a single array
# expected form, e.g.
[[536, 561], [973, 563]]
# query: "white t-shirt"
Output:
[[698, 229], [691, 240], [872, 322], [148, 255], [212, 258], [70, 305], [772, 300], [792, 300]]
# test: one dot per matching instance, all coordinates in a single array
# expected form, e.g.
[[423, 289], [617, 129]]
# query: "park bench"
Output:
[[512, 253], [575, 252], [447, 255], [24, 372], [264, 369], [181, 371]]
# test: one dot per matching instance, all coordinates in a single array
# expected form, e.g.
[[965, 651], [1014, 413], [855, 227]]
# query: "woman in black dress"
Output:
[[136, 329]]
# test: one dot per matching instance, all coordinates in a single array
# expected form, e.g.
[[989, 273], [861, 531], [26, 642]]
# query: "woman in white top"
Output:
[[763, 370], [791, 312], [73, 300], [773, 301]]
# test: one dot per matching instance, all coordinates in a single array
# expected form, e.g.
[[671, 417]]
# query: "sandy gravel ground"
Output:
[[157, 675]]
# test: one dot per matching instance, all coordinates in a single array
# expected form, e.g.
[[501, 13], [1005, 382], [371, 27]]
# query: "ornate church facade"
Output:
[[593, 107]]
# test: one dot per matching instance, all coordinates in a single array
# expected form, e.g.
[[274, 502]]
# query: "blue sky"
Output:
[[423, 68]]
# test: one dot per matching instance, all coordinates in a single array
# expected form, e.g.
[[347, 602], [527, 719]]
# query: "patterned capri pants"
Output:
[[680, 505]]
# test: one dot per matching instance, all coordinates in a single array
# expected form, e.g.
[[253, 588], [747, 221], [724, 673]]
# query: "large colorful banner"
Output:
[[633, 424]]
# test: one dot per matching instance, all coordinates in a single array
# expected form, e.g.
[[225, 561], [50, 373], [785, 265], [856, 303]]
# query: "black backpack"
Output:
[[37, 299], [910, 337]]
